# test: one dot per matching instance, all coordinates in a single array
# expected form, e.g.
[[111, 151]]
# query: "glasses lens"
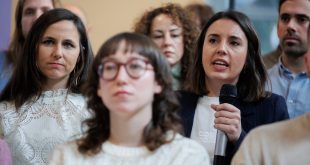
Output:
[[136, 68], [109, 70]]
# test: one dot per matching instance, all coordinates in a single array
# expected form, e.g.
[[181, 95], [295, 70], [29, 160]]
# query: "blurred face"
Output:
[[224, 51], [32, 10], [169, 37], [123, 78], [293, 25], [58, 52]]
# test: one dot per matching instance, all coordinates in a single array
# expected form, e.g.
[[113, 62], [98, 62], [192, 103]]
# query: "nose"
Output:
[[167, 39], [291, 25], [222, 48], [121, 75], [58, 52]]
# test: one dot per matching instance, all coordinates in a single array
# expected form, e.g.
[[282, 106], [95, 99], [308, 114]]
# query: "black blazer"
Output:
[[265, 111]]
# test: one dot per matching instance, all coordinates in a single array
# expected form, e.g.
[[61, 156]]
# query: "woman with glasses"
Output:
[[134, 110], [42, 105]]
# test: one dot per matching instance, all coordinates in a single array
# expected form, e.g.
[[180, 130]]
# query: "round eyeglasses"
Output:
[[135, 68]]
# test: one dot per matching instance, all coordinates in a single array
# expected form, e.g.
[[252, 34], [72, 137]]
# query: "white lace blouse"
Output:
[[37, 127]]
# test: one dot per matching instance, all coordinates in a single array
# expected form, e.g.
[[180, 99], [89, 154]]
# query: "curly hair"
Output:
[[164, 107], [253, 77], [180, 17]]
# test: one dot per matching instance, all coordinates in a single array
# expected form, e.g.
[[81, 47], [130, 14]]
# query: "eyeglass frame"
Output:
[[119, 64]]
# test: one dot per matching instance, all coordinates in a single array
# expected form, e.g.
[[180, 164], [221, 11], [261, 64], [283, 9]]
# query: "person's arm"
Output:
[[5, 154], [249, 152]]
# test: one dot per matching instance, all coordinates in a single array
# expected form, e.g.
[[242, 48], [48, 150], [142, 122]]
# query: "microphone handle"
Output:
[[220, 148]]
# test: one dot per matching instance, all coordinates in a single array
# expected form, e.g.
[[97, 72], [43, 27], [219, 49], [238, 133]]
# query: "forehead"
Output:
[[63, 29], [296, 7], [124, 51], [38, 4], [164, 20], [226, 27]]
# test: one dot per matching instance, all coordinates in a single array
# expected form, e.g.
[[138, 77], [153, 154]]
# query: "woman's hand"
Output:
[[228, 120]]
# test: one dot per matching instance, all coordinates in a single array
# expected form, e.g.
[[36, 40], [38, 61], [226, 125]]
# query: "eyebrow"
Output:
[[171, 30], [231, 36]]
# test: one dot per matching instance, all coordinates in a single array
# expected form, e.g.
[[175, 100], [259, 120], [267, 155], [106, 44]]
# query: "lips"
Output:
[[55, 64], [122, 93], [168, 53], [220, 62], [291, 38]]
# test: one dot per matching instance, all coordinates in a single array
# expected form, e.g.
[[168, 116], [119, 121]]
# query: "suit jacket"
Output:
[[264, 111]]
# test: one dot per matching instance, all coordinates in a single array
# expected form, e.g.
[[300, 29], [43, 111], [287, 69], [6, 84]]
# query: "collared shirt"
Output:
[[295, 88]]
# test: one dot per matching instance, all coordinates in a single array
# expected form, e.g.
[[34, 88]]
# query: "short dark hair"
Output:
[[181, 17], [165, 105], [27, 81], [252, 79]]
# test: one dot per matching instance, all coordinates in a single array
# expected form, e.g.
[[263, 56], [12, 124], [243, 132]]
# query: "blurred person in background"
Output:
[[171, 28]]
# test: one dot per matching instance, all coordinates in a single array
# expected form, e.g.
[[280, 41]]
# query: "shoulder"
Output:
[[186, 150], [273, 98], [65, 153], [8, 116], [187, 98], [78, 100], [189, 145]]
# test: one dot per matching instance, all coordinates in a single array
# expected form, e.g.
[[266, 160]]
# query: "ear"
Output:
[[158, 88]]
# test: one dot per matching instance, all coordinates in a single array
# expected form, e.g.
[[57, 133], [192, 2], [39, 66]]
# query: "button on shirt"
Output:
[[295, 88]]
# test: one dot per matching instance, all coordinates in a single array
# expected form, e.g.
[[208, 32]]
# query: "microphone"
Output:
[[228, 94]]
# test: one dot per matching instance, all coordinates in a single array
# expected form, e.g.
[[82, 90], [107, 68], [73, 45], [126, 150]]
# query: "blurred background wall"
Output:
[[108, 17]]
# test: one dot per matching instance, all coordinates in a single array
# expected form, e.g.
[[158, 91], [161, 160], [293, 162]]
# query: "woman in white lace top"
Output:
[[42, 106], [135, 110]]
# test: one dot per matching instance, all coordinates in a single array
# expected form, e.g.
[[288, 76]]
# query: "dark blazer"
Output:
[[265, 111]]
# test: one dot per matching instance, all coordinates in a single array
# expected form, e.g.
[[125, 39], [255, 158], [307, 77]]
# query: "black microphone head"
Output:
[[228, 93]]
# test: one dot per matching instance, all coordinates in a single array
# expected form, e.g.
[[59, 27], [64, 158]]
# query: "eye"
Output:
[[175, 35], [29, 12], [68, 45], [235, 43], [109, 66], [212, 40], [136, 65], [48, 42], [302, 19], [157, 36], [285, 18]]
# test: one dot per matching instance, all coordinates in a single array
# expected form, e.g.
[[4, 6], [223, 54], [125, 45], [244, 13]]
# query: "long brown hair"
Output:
[[164, 108]]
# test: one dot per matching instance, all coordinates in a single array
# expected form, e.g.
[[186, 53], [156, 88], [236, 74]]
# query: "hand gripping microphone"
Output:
[[228, 94]]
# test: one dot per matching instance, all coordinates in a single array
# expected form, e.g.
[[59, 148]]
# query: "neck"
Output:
[[128, 130], [214, 87], [295, 65], [55, 84]]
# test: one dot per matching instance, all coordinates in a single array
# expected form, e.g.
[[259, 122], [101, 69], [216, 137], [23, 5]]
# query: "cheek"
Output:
[[73, 57], [101, 91]]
